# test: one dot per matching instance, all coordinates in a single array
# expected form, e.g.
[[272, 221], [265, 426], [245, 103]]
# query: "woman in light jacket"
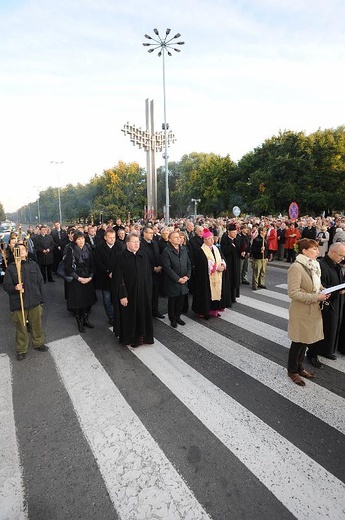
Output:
[[305, 319]]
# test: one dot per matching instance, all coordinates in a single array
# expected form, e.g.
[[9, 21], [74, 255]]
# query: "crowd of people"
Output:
[[133, 264]]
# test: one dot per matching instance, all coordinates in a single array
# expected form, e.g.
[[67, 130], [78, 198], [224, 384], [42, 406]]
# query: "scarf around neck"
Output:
[[314, 269]]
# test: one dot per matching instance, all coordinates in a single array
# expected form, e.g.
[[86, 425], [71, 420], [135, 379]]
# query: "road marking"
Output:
[[315, 399], [264, 307], [272, 294], [274, 334], [141, 481], [12, 504], [282, 286], [300, 483]]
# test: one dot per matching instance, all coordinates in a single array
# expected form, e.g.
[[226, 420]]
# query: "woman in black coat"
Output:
[[81, 292], [177, 271]]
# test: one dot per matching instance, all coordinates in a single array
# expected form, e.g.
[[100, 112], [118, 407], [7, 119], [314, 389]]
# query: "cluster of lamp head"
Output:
[[164, 44]]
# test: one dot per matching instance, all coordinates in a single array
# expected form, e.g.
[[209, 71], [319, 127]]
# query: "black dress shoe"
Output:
[[20, 357], [262, 286], [254, 288], [157, 315], [111, 321], [314, 360], [180, 322], [332, 356], [245, 282], [173, 324], [51, 280]]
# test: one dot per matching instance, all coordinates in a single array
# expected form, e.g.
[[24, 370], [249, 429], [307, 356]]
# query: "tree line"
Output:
[[292, 166]]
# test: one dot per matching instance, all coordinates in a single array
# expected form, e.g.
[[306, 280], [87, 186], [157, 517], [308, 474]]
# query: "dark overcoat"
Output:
[[132, 279], [151, 249], [176, 264], [332, 314], [79, 263], [104, 258], [231, 251], [41, 243]]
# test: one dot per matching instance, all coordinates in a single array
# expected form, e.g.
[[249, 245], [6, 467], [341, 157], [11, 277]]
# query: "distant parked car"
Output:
[[4, 238]]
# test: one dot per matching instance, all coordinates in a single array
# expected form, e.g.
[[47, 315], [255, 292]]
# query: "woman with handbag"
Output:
[[305, 320], [81, 293]]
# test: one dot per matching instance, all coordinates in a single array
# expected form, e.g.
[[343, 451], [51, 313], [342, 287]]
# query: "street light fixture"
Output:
[[38, 204], [195, 205], [59, 189], [164, 45]]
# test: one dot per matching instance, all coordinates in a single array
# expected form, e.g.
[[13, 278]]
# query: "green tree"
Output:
[[207, 177], [2, 212], [120, 190]]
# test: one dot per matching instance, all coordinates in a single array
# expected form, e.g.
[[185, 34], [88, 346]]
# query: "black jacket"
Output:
[[104, 257], [332, 313], [176, 264], [256, 246], [151, 250], [32, 280]]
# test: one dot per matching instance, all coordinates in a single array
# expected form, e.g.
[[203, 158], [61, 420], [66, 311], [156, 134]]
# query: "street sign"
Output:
[[293, 210]]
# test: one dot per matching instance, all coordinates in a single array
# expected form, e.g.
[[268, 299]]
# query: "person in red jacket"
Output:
[[272, 240], [292, 235]]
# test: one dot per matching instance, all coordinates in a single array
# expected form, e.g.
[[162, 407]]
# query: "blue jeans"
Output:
[[108, 306]]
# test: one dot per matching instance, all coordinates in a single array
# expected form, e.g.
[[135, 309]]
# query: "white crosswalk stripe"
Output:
[[183, 375], [275, 334], [140, 480], [262, 306], [316, 400], [299, 483], [11, 484]]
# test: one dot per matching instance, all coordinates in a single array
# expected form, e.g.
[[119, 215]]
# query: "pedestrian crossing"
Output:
[[203, 424]]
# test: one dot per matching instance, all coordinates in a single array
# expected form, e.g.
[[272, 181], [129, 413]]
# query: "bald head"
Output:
[[337, 252]]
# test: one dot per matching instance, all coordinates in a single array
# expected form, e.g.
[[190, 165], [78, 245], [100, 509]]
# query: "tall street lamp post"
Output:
[[59, 188], [38, 204], [164, 45]]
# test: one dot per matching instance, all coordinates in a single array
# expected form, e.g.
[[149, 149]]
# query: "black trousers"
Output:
[[296, 357], [46, 271], [155, 297], [175, 306]]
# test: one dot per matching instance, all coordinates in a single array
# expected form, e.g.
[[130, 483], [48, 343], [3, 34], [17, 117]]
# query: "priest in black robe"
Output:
[[332, 311], [232, 254], [132, 295]]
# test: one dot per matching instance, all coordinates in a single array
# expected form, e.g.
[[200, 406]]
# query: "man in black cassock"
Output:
[[232, 255], [332, 312], [151, 248], [132, 295]]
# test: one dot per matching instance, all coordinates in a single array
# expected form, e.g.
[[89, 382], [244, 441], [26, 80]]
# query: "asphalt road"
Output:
[[202, 424]]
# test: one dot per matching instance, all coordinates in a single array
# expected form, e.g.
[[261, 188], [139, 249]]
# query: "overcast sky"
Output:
[[73, 72]]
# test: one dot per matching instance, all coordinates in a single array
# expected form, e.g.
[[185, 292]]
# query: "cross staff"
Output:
[[18, 262]]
